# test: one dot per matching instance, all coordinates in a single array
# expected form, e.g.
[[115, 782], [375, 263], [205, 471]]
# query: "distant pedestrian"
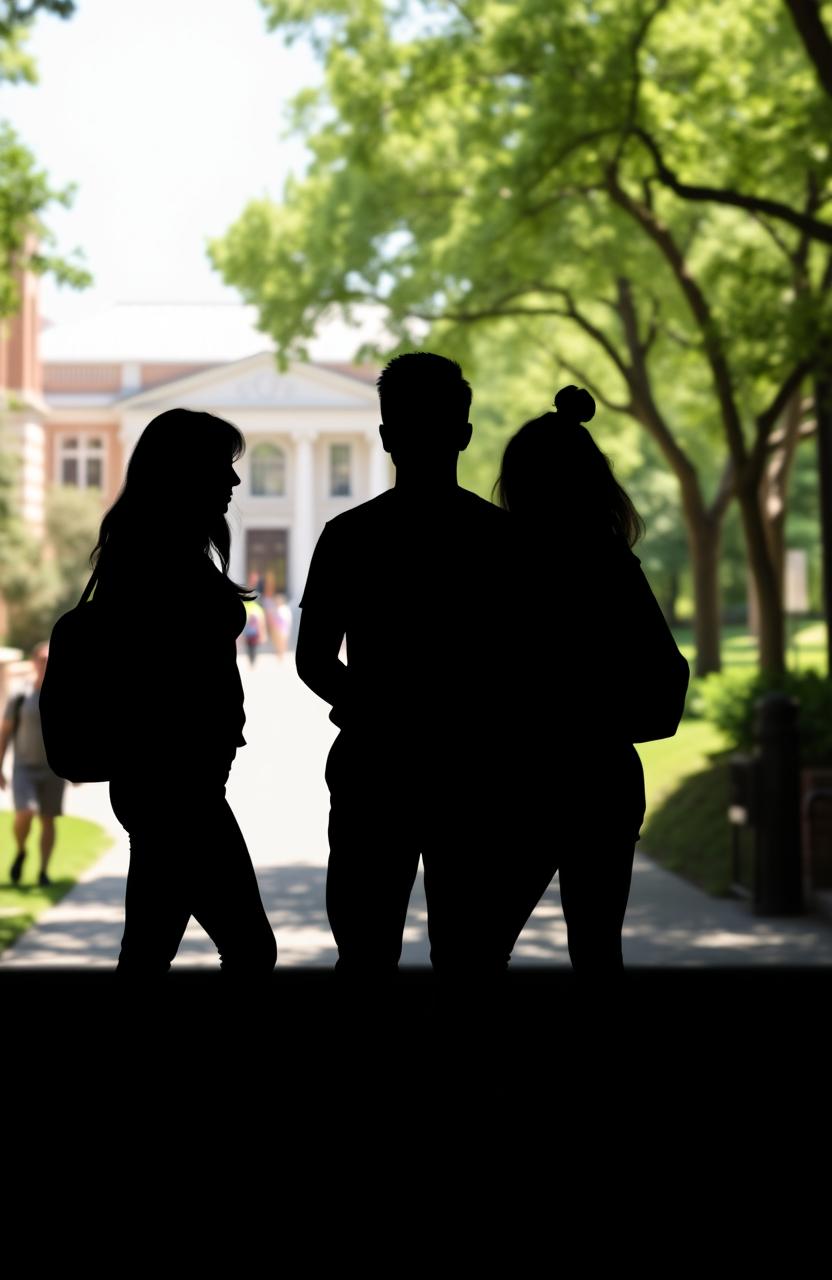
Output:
[[282, 625], [35, 788], [269, 602], [254, 632]]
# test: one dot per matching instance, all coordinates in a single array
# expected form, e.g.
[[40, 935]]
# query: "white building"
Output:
[[313, 447]]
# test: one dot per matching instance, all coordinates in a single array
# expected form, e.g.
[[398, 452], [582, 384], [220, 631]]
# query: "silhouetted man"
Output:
[[416, 763]]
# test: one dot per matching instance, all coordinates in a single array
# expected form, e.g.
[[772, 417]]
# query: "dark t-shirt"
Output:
[[418, 587]]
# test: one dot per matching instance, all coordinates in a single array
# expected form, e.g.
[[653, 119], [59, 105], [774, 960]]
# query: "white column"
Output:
[[380, 478], [32, 475], [302, 532]]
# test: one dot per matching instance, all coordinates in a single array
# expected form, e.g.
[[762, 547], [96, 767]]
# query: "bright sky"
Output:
[[168, 115]]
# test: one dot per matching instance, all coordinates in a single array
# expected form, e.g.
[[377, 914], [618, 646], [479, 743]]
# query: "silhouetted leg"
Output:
[[472, 907], [188, 860], [596, 862], [489, 857], [373, 860], [224, 895], [155, 909], [525, 876], [595, 876], [532, 840], [372, 867]]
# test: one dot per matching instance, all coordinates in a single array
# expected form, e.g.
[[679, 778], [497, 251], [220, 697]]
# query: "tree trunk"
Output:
[[823, 411], [704, 536], [767, 591], [774, 493]]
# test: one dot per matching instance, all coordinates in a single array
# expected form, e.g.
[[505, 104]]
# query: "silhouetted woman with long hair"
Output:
[[162, 556], [599, 671]]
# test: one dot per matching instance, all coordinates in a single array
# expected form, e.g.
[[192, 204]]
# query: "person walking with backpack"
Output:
[[35, 788], [175, 727], [601, 671]]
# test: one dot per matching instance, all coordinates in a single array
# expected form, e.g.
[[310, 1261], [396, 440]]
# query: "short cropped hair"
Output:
[[421, 384]]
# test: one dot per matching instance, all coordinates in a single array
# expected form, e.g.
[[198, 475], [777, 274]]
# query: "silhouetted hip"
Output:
[[390, 802], [577, 812], [188, 858]]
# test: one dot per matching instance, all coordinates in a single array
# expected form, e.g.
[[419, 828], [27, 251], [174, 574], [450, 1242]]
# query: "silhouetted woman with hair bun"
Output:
[[600, 670], [180, 705]]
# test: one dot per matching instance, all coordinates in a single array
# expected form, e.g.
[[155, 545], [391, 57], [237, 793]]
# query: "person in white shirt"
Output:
[[35, 788]]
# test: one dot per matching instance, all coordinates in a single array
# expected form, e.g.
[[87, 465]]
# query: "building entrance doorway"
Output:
[[267, 553]]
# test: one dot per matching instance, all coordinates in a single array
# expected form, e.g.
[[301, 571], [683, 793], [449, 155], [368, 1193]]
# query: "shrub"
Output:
[[730, 701]]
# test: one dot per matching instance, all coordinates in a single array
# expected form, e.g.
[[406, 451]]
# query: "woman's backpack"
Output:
[[627, 678], [654, 679], [78, 710]]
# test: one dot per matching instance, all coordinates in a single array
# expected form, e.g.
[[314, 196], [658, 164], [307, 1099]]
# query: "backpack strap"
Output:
[[88, 589]]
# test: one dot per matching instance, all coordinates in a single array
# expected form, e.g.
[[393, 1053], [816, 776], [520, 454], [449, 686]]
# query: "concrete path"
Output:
[[278, 793]]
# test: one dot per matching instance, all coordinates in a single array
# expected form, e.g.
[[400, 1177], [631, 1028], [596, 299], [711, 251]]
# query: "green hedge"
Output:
[[729, 700]]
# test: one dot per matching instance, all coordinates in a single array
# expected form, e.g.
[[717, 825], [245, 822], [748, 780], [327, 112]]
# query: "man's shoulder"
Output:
[[372, 517], [364, 515], [481, 509], [487, 524]]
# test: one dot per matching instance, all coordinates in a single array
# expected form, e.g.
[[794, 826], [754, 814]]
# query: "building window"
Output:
[[268, 470], [81, 462], [339, 471]]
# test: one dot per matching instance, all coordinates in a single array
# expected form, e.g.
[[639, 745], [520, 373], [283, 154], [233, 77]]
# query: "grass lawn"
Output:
[[79, 844], [805, 648], [686, 828]]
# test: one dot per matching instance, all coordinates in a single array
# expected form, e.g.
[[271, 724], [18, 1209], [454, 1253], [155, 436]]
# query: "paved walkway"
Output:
[[278, 793]]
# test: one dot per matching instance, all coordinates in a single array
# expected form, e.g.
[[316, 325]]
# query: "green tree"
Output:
[[73, 517], [28, 580], [480, 162], [26, 192], [30, 583]]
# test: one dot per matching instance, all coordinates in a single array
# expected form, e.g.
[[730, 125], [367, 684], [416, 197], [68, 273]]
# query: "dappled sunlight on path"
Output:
[[278, 792]]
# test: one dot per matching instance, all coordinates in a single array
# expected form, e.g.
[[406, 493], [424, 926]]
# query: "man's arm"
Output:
[[322, 627], [316, 657]]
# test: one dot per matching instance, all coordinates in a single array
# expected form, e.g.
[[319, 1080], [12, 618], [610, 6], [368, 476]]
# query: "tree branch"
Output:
[[788, 387], [724, 492], [816, 41], [712, 342], [775, 235], [593, 388], [767, 420], [638, 40], [753, 204]]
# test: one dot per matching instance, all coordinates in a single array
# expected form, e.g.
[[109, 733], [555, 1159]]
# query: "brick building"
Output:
[[78, 396]]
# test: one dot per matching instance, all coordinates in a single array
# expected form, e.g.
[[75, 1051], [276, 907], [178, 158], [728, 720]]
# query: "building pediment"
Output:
[[256, 383]]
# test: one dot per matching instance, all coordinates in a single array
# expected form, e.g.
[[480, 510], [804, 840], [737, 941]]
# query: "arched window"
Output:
[[268, 470]]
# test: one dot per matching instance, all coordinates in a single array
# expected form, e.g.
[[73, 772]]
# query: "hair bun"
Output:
[[575, 404]]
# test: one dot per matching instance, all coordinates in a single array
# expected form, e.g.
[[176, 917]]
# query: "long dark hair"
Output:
[[552, 465], [185, 444]]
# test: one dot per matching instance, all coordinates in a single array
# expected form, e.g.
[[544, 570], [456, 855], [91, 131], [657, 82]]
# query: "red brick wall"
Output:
[[71, 379]]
